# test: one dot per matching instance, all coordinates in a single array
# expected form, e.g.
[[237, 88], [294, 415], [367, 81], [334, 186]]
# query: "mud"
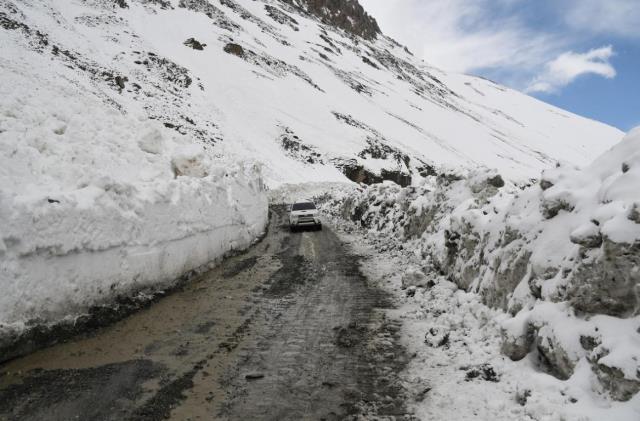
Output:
[[290, 330]]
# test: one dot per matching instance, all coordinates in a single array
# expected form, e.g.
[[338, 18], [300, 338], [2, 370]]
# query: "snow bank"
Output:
[[95, 204], [561, 257]]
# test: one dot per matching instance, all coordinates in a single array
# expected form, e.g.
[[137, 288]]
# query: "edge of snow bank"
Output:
[[101, 210], [54, 296]]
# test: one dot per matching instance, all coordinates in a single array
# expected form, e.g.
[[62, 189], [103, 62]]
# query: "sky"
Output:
[[581, 55]]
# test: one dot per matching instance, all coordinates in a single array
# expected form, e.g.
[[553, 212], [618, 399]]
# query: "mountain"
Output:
[[309, 88], [136, 137]]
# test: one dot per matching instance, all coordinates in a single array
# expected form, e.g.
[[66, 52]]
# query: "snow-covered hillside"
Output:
[[278, 82]]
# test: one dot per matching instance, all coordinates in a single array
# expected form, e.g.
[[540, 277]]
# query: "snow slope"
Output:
[[273, 83]]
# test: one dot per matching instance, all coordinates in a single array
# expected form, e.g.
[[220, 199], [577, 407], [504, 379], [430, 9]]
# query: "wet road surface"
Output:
[[290, 330]]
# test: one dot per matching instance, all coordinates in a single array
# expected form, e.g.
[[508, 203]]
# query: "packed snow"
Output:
[[96, 204]]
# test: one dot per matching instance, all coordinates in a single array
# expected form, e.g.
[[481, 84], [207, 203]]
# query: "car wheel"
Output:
[[292, 228], [319, 227]]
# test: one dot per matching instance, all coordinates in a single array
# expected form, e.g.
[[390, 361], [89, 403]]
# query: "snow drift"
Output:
[[561, 257], [95, 204]]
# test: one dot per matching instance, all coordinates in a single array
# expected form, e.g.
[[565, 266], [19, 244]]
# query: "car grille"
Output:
[[306, 220]]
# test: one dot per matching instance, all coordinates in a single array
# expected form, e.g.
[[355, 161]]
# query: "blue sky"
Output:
[[581, 55]]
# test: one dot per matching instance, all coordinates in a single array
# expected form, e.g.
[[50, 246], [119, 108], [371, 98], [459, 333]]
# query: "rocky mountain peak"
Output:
[[348, 15]]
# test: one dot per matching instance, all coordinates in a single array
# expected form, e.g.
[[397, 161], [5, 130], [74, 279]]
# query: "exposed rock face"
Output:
[[195, 44], [414, 278], [610, 284], [458, 227], [620, 388], [234, 49], [553, 355], [348, 15]]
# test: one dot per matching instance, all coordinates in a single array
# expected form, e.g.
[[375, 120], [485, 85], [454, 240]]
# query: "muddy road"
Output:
[[290, 330]]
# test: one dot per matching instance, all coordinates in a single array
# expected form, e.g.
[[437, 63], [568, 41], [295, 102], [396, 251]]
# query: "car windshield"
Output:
[[303, 206]]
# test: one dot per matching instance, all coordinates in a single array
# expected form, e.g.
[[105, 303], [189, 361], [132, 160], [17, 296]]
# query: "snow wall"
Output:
[[96, 205], [560, 257]]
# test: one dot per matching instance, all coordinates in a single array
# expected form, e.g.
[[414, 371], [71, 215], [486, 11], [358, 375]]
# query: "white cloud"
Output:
[[522, 45], [618, 17], [462, 35], [568, 66]]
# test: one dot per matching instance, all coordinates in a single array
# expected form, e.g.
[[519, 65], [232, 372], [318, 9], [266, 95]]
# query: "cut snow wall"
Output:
[[561, 258], [97, 206]]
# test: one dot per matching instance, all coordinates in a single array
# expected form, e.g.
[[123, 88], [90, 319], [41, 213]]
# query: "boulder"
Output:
[[235, 49], [414, 278], [552, 355], [610, 283], [634, 214], [517, 347], [587, 235], [613, 379], [195, 44]]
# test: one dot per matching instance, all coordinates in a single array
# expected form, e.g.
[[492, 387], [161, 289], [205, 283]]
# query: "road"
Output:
[[289, 330]]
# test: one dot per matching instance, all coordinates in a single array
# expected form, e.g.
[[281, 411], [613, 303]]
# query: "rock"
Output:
[[122, 4], [369, 62], [517, 347], [195, 44], [609, 283], [496, 181], [436, 337], [414, 278], [491, 184], [254, 376], [613, 379], [634, 214], [235, 49], [512, 268], [588, 343], [522, 396], [587, 235], [399, 177], [120, 82], [553, 356], [347, 15], [420, 396], [551, 208], [483, 371], [625, 167], [545, 184]]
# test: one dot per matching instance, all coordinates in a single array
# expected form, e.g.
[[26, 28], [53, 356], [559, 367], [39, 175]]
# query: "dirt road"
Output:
[[290, 330]]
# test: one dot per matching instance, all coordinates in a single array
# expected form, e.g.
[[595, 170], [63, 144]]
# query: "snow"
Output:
[[436, 378], [107, 190], [566, 373], [96, 204], [450, 121]]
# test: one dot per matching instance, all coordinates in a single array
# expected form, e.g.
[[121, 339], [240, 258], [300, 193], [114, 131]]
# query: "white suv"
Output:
[[304, 214]]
